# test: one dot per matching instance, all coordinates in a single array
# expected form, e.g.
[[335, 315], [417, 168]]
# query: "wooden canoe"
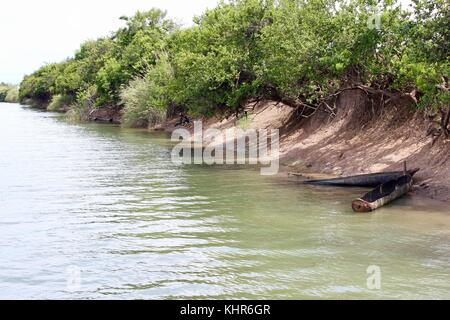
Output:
[[383, 194], [364, 180]]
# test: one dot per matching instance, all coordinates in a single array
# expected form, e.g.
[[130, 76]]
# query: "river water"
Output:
[[96, 211]]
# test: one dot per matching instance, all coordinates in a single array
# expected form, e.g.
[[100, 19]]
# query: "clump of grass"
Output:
[[140, 109], [84, 103], [75, 114], [59, 102], [146, 99]]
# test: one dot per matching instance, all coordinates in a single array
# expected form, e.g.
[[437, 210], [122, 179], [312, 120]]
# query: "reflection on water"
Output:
[[109, 203]]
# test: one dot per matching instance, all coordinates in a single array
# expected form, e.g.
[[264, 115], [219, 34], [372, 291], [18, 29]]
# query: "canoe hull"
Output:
[[364, 180], [383, 194]]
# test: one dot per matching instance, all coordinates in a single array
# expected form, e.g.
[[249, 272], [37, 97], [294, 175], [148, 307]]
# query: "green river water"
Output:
[[96, 211]]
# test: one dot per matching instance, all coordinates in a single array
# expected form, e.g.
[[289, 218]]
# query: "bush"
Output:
[[214, 61], [59, 102], [85, 101], [146, 99], [40, 86], [107, 64], [8, 93], [75, 114], [3, 92], [13, 95]]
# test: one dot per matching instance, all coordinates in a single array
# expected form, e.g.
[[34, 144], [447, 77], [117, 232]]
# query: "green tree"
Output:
[[215, 60]]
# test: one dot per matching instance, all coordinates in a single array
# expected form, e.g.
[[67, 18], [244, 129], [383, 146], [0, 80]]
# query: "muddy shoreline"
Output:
[[360, 138]]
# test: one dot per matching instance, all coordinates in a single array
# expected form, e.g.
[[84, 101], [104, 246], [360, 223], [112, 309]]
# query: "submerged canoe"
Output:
[[364, 180], [383, 194]]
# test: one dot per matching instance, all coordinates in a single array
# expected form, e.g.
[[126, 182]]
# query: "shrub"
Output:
[[13, 95], [84, 103], [40, 85], [8, 93], [146, 99], [75, 114], [59, 102], [3, 92], [214, 61]]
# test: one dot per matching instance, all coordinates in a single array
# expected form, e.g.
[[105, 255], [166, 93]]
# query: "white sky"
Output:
[[34, 32]]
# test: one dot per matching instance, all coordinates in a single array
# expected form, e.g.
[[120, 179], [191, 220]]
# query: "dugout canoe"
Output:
[[363, 180], [383, 194]]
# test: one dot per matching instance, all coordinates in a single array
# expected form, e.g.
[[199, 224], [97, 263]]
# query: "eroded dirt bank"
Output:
[[362, 137]]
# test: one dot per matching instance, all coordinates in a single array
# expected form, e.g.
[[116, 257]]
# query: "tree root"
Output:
[[443, 130]]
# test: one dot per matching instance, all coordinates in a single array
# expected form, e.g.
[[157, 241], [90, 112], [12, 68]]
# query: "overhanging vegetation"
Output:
[[301, 52]]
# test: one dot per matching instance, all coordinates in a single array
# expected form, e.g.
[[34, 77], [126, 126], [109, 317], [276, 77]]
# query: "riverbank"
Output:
[[359, 138]]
